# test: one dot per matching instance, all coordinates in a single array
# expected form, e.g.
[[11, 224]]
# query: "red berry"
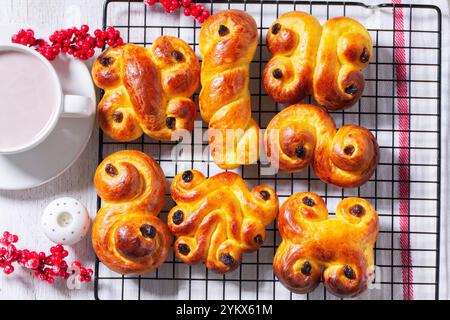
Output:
[[104, 35], [84, 29], [98, 33], [185, 3], [8, 269], [69, 33], [99, 43], [109, 29], [90, 40], [86, 46], [111, 35], [31, 41], [90, 53], [60, 37], [187, 12], [41, 42], [32, 264], [119, 41], [205, 14]]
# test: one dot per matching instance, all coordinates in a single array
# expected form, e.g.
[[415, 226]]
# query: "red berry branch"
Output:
[[76, 42], [46, 267], [198, 11]]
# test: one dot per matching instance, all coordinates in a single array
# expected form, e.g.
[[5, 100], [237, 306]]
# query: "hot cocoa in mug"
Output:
[[32, 99]]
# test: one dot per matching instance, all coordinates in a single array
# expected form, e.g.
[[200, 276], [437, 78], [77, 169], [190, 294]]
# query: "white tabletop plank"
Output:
[[20, 211]]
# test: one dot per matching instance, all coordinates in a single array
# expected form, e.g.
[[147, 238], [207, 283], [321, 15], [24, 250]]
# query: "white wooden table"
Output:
[[20, 211]]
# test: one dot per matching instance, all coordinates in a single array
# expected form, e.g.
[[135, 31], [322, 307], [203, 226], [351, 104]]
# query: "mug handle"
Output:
[[77, 106]]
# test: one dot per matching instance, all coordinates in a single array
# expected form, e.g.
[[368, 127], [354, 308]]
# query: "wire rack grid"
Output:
[[407, 250]]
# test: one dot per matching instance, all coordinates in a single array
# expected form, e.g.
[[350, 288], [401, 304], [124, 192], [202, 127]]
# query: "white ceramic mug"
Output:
[[68, 105]]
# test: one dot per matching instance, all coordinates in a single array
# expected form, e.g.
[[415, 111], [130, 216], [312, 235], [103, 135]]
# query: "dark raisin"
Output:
[[227, 259], [277, 74], [170, 122], [148, 231], [349, 273], [276, 28], [177, 217], [187, 176], [308, 201], [177, 55], [223, 30], [348, 150], [184, 249], [117, 116], [265, 194], [306, 268], [351, 90], [258, 239], [365, 56], [111, 170], [357, 210], [106, 61], [300, 152]]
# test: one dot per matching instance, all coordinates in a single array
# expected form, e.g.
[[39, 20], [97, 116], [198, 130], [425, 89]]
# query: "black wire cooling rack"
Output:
[[401, 106]]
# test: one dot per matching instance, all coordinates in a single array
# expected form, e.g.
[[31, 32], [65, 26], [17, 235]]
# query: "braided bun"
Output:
[[228, 42]]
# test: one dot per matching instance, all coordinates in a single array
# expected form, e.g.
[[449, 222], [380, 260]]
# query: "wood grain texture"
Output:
[[20, 211]]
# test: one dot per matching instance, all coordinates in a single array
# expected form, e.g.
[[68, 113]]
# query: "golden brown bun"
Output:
[[301, 135], [147, 90], [217, 219], [228, 42], [126, 235], [341, 246], [309, 59]]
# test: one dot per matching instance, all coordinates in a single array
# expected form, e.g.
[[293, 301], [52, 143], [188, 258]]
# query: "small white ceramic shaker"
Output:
[[65, 221]]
